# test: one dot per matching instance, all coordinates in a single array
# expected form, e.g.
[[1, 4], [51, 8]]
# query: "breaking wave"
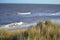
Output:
[[27, 13], [12, 25]]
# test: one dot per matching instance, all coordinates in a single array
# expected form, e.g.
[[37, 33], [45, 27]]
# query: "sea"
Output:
[[29, 14]]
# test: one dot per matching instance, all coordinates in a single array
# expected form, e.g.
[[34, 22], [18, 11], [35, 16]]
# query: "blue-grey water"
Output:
[[9, 13]]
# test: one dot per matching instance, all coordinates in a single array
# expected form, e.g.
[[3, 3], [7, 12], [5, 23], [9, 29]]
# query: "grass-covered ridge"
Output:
[[44, 30]]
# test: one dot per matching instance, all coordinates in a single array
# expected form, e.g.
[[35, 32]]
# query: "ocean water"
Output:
[[9, 13]]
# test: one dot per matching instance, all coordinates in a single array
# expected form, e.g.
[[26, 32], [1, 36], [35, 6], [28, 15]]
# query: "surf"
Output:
[[12, 25], [26, 13]]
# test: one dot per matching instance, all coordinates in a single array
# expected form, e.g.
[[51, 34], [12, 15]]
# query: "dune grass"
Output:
[[44, 30]]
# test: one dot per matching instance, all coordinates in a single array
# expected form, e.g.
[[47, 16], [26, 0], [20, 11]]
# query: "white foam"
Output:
[[24, 13], [58, 13], [12, 25], [19, 23]]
